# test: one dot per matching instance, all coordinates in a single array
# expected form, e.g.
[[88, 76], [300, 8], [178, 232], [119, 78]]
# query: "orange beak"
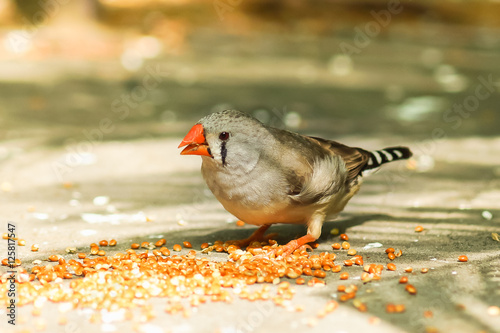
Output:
[[195, 142]]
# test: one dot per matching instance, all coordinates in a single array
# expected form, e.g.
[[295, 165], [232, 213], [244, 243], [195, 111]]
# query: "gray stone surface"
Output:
[[149, 176]]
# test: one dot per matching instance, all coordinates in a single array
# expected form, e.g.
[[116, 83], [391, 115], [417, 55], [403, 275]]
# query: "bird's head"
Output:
[[228, 137]]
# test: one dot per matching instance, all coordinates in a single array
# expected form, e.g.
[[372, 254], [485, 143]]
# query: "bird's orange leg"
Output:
[[295, 244], [257, 236]]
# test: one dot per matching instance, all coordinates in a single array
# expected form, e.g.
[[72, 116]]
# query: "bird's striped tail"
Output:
[[386, 155]]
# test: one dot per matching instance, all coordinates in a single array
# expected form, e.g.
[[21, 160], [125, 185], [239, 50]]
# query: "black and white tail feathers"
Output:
[[386, 155]]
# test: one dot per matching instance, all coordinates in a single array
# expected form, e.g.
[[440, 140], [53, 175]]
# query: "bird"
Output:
[[265, 175]]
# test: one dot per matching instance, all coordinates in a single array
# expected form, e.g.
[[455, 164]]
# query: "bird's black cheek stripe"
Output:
[[223, 153]]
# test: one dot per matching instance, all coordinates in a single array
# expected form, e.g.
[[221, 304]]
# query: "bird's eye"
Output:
[[224, 136]]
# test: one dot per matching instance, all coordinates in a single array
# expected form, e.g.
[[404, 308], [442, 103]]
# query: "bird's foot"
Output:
[[305, 247], [257, 236], [286, 250]]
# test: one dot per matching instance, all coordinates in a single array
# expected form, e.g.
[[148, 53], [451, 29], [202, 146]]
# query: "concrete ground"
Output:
[[456, 201]]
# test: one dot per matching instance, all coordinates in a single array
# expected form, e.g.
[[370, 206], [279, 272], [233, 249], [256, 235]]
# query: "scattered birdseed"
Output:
[[129, 279], [495, 236], [315, 282], [103, 243], [164, 251], [411, 289], [344, 237], [240, 223], [161, 242], [336, 246], [334, 231], [424, 270], [187, 245], [319, 273], [35, 247], [395, 308], [300, 281], [463, 258], [419, 228], [359, 305], [21, 242]]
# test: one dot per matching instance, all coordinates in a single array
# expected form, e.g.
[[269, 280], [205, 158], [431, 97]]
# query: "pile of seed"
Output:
[[127, 280], [146, 270]]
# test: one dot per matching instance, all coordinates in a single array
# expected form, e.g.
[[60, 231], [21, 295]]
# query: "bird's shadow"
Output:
[[285, 232]]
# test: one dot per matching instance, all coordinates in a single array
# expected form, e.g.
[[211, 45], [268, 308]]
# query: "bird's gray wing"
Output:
[[355, 159], [316, 168]]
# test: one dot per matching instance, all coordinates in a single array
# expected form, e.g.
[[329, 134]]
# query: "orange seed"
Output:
[[411, 289]]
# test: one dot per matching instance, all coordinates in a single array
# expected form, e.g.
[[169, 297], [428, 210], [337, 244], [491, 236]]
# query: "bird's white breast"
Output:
[[258, 197]]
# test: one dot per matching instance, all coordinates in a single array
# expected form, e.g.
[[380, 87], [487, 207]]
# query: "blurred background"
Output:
[[331, 68], [76, 74]]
